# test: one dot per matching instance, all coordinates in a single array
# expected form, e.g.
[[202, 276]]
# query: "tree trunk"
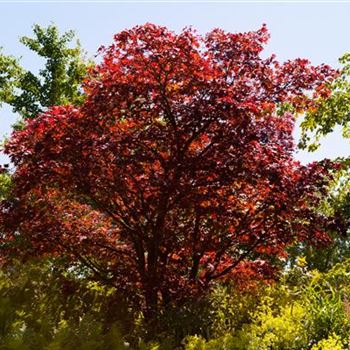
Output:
[[151, 300]]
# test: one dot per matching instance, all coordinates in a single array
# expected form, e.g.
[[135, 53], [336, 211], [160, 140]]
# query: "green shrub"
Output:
[[333, 342]]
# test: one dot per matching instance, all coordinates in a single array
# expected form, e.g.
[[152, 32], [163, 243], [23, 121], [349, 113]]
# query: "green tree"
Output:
[[10, 72], [57, 83], [331, 110]]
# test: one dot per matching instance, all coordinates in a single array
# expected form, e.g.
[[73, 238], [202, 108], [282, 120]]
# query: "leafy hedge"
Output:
[[50, 308]]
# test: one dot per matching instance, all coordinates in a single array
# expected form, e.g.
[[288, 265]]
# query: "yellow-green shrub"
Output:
[[333, 342]]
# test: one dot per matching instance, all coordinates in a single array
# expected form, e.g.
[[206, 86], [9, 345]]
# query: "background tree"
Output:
[[58, 83], [10, 72], [176, 171], [331, 109]]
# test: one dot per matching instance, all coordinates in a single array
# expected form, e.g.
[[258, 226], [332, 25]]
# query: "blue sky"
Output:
[[319, 32]]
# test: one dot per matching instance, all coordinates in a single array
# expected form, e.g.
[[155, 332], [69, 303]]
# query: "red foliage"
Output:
[[178, 167]]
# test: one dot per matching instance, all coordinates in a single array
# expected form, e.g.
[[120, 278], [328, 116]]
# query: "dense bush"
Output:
[[308, 312], [43, 307], [46, 307]]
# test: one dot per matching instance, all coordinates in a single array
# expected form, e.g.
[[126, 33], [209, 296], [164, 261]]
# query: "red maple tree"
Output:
[[177, 171]]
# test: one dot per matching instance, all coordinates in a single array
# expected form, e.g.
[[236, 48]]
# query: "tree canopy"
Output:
[[177, 169], [57, 83], [331, 109]]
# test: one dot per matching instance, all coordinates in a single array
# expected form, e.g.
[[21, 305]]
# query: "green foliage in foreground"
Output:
[[313, 313], [50, 308], [44, 307]]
